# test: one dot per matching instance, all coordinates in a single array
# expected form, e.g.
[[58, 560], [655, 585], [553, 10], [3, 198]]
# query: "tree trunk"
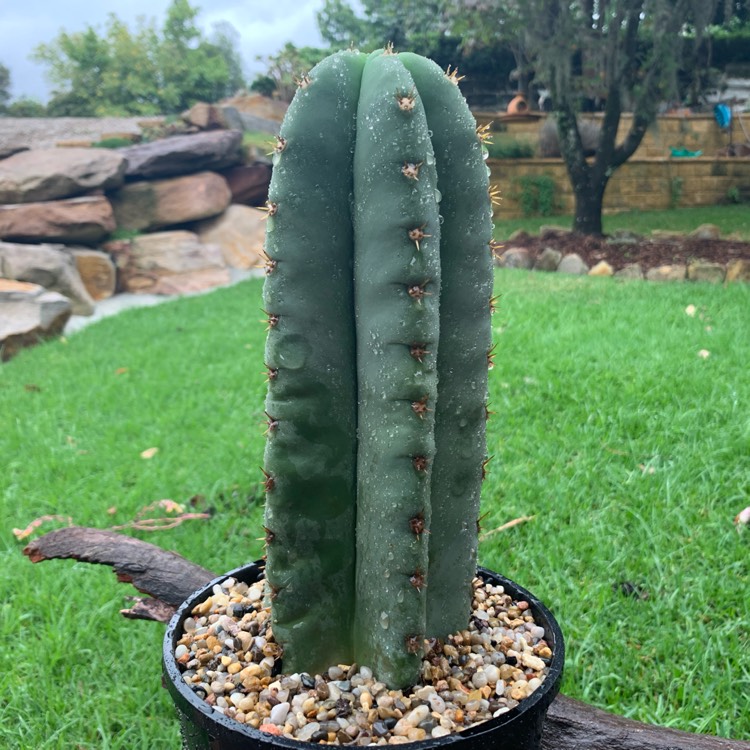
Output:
[[588, 212]]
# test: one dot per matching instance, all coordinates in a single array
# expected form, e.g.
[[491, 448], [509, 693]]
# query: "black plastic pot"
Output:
[[205, 729]]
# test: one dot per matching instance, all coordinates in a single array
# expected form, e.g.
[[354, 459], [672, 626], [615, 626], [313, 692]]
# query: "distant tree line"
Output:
[[142, 71]]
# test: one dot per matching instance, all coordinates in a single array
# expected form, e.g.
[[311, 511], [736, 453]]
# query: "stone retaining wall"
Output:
[[646, 184], [185, 208], [690, 132]]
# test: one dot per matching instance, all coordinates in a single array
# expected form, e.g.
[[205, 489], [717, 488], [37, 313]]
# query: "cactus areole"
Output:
[[377, 296]]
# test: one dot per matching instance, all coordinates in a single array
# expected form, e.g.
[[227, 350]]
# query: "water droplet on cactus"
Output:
[[429, 159], [390, 555], [441, 219], [400, 596], [384, 620], [438, 196], [275, 158], [485, 153], [488, 170]]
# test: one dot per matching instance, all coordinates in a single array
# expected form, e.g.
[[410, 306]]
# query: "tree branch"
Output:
[[164, 575]]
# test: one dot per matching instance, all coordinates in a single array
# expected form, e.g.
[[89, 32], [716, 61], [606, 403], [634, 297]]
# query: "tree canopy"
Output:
[[4, 87], [608, 55], [141, 71]]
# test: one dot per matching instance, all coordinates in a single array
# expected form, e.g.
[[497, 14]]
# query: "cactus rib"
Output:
[[465, 337], [310, 451], [394, 188]]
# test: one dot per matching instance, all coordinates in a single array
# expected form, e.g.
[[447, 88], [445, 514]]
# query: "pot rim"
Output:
[[213, 720]]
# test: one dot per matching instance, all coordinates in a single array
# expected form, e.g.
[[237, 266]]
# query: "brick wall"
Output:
[[651, 179], [638, 184], [691, 132]]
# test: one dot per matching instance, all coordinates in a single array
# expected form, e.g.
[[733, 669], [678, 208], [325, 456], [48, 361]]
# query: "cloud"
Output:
[[263, 29]]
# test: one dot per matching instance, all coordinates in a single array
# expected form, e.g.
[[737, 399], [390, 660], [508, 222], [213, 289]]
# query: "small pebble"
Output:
[[308, 731], [279, 713], [228, 657]]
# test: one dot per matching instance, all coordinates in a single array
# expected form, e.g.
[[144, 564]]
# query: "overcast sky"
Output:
[[263, 26]]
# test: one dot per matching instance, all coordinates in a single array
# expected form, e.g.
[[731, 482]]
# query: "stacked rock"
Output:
[[169, 216]]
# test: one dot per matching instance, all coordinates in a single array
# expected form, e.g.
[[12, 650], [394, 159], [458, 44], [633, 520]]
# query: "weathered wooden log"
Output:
[[166, 576], [169, 579], [573, 725]]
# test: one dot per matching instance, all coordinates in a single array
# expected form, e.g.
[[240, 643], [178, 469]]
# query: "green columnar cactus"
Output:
[[378, 303]]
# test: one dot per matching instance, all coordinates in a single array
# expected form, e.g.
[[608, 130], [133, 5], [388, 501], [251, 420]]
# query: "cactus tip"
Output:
[[410, 170], [491, 357], [417, 234], [416, 579], [452, 75], [484, 132], [417, 525], [413, 643], [303, 81], [420, 407], [269, 483], [419, 352], [271, 423], [417, 291], [406, 101], [484, 466]]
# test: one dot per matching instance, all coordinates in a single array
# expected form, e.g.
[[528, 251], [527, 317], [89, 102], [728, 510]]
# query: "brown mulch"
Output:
[[619, 250]]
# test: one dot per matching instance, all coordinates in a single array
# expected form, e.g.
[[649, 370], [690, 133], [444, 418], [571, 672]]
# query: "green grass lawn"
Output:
[[731, 219], [631, 451]]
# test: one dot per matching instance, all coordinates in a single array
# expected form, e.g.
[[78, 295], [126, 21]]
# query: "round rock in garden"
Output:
[[548, 260], [602, 268], [676, 272], [630, 271], [738, 270], [50, 266], [29, 314], [516, 257], [573, 264], [701, 270]]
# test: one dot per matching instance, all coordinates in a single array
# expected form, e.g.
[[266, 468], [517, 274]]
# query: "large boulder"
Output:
[[50, 266], [97, 272], [51, 173], [205, 116], [152, 204], [28, 314], [249, 183], [168, 263], [239, 233], [86, 220], [183, 154]]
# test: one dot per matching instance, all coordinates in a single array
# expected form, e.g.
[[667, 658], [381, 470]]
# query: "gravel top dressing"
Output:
[[228, 657]]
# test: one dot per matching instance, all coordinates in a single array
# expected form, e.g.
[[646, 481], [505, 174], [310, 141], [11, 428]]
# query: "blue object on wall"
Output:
[[723, 115]]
